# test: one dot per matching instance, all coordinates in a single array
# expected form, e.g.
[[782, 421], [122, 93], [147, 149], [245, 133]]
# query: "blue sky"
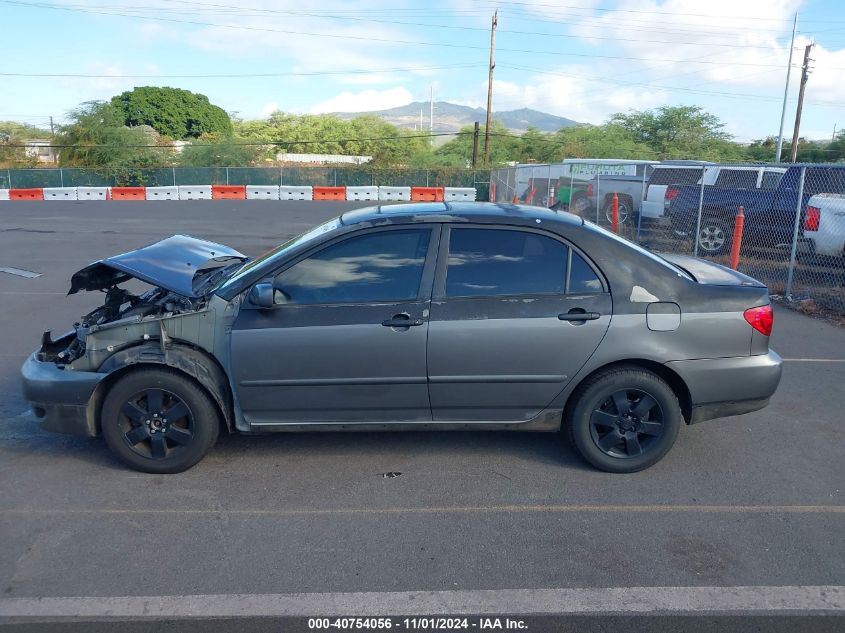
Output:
[[579, 59]]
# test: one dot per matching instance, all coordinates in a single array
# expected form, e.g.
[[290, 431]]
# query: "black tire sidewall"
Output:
[[206, 419], [590, 396]]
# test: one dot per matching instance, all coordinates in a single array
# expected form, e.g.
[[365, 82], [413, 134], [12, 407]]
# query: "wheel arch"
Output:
[[673, 379], [186, 359]]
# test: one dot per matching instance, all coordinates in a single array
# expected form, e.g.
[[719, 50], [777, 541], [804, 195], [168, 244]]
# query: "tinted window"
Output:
[[824, 180], [675, 176], [582, 279], [382, 266], [493, 262], [737, 179]]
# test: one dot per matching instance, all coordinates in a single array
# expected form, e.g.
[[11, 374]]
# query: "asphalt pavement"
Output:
[[755, 501]]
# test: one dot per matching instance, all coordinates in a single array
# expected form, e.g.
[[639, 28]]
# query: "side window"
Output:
[[582, 279], [737, 179], [485, 262], [382, 266]]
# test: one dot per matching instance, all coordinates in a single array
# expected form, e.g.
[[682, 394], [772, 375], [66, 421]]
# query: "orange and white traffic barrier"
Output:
[[128, 193], [228, 192], [26, 194], [427, 194], [329, 193]]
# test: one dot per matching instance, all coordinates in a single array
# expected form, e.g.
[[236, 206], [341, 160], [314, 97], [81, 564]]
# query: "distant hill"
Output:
[[451, 117]]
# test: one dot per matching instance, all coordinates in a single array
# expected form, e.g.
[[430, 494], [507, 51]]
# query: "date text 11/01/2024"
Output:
[[418, 623]]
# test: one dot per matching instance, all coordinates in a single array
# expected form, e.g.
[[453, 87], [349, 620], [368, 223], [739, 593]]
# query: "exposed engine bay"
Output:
[[120, 307]]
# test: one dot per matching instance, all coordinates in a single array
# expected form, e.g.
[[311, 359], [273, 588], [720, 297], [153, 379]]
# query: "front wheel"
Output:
[[624, 419], [159, 421]]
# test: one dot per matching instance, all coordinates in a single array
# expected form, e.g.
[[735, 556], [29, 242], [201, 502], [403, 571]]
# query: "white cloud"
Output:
[[365, 100], [269, 108]]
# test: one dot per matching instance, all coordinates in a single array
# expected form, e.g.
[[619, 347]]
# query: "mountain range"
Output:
[[451, 117]]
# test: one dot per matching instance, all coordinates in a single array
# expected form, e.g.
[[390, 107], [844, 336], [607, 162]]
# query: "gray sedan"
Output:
[[408, 317]]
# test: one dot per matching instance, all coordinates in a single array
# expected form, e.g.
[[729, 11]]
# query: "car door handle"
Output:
[[578, 315], [401, 320]]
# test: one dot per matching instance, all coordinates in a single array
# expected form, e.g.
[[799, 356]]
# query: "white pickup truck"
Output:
[[824, 226]]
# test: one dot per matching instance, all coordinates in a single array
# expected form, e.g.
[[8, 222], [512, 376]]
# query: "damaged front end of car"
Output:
[[171, 321], [182, 270]]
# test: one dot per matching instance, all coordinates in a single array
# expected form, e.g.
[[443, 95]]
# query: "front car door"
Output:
[[345, 341], [516, 312]]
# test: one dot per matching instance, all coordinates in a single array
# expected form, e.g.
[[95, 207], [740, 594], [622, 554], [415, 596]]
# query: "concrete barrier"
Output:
[[128, 193], [60, 193], [452, 194], [195, 192], [329, 193], [427, 194], [295, 193], [4, 194], [362, 193], [394, 193], [257, 192], [26, 194], [228, 192], [163, 193], [93, 193]]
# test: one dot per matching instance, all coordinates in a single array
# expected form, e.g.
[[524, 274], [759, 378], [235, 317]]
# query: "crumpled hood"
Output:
[[171, 263]]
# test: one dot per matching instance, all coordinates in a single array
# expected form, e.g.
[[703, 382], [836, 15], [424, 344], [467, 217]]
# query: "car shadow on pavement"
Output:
[[23, 437]]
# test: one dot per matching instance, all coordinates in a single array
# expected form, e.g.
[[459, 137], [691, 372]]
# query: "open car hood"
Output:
[[172, 263]]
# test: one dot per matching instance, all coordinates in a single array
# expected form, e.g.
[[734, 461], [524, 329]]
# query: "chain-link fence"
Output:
[[295, 175], [793, 216]]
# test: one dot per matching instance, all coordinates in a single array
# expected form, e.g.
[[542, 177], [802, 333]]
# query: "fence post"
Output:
[[335, 176], [698, 219], [571, 187], [9, 175], [549, 188], [643, 193], [61, 178], [598, 194], [281, 178], [174, 176], [794, 251], [227, 175]]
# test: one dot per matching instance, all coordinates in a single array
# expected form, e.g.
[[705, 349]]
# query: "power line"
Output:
[[248, 75], [374, 39]]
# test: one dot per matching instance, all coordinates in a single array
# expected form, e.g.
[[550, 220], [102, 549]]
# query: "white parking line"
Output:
[[508, 601]]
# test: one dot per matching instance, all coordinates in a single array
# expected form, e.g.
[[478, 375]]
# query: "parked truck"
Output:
[[824, 227], [769, 210]]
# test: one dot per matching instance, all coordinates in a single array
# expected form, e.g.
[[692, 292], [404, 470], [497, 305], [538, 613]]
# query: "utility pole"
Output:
[[786, 89], [805, 74], [52, 131], [493, 25], [475, 144]]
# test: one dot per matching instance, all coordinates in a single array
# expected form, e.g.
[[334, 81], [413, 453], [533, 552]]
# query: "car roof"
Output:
[[459, 212]]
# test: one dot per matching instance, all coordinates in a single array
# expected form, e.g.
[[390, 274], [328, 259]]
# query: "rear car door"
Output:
[[345, 341], [515, 313]]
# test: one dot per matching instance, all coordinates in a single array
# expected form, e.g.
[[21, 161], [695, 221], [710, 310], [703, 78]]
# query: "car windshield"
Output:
[[287, 246]]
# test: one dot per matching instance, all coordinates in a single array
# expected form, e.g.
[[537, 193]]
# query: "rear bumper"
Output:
[[721, 387], [60, 397]]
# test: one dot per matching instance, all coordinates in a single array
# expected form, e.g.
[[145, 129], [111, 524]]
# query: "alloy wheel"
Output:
[[156, 423], [627, 423], [712, 238]]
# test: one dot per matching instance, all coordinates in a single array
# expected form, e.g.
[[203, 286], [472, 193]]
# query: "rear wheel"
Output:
[[579, 204], [714, 237], [624, 419], [625, 209], [158, 421]]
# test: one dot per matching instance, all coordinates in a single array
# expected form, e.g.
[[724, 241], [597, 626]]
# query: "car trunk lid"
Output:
[[711, 273]]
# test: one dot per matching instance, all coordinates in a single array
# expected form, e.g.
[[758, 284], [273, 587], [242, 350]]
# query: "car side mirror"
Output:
[[261, 295]]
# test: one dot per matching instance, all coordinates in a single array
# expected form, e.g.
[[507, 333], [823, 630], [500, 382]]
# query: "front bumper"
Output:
[[721, 387], [59, 397]]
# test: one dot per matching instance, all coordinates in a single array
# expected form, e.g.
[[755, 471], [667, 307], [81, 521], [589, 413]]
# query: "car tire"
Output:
[[159, 421], [714, 236], [579, 204], [626, 210], [623, 420]]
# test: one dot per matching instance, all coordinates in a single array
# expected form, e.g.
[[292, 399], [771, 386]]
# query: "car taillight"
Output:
[[671, 194], [811, 220], [760, 318], [590, 189]]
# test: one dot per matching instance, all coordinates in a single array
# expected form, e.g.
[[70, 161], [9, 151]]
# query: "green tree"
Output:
[[216, 150], [97, 137], [675, 131], [504, 146], [12, 137], [172, 112]]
